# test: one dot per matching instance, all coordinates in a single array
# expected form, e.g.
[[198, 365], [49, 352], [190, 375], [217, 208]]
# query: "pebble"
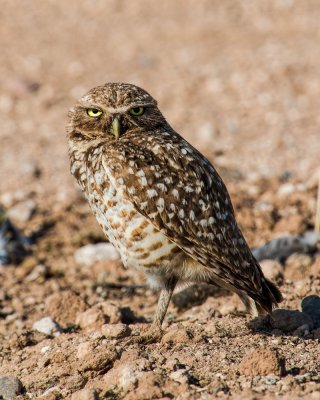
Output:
[[91, 318], [302, 331], [92, 253], [84, 349], [111, 311], [289, 320], [47, 326], [45, 349], [316, 333], [10, 387], [311, 306], [53, 393], [99, 314], [272, 269], [285, 189], [115, 331], [180, 376], [22, 211], [12, 243], [31, 168], [85, 394]]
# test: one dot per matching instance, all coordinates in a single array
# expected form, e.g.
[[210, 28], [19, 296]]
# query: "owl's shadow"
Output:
[[196, 294]]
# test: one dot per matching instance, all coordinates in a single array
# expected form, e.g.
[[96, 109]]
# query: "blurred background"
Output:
[[239, 79]]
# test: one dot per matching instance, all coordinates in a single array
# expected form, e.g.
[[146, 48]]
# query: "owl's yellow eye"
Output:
[[94, 112], [137, 111]]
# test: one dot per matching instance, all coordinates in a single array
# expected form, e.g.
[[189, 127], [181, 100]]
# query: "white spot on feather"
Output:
[[160, 204], [175, 193], [143, 181], [152, 193], [181, 213]]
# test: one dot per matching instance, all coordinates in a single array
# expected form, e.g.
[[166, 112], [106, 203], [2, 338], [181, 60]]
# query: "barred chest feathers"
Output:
[[139, 243]]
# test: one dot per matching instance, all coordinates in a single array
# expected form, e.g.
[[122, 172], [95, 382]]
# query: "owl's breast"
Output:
[[139, 243]]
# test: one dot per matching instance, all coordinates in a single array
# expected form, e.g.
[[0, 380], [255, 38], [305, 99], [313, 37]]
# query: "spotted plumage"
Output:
[[159, 201]]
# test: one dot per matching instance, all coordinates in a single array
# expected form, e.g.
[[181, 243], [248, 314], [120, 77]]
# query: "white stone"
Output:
[[47, 326], [45, 349], [22, 211], [92, 253]]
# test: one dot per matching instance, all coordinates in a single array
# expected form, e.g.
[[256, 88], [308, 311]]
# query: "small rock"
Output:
[[31, 168], [311, 306], [297, 266], [289, 320], [115, 331], [64, 307], [177, 336], [272, 269], [263, 361], [10, 387], [92, 253], [98, 315], [45, 349], [53, 393], [316, 334], [12, 243], [47, 326], [111, 311], [85, 394], [302, 331], [92, 318], [23, 211], [285, 189], [150, 386], [84, 349], [180, 376]]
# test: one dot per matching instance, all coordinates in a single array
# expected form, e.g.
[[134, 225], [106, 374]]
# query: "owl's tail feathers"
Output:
[[264, 302], [269, 297]]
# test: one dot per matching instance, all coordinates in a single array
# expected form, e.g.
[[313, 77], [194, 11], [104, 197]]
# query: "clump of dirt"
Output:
[[263, 361]]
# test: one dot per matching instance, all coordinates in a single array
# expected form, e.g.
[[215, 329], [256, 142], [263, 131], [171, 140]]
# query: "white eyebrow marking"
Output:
[[87, 102]]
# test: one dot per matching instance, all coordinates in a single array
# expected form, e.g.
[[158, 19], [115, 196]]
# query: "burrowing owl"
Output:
[[158, 200]]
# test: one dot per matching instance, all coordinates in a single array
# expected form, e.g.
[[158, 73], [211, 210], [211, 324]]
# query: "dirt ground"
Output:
[[240, 80]]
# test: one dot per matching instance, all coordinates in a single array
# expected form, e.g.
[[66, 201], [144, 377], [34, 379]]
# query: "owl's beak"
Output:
[[116, 127]]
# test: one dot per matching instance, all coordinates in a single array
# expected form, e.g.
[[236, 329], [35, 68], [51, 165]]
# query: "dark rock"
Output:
[[311, 306], [13, 246], [10, 387], [289, 320]]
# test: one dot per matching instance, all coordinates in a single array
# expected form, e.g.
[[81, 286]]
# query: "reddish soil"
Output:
[[240, 80]]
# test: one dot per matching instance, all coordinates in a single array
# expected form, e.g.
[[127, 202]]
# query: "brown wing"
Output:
[[180, 192]]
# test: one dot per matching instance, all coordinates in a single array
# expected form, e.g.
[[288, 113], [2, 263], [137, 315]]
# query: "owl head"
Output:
[[111, 111]]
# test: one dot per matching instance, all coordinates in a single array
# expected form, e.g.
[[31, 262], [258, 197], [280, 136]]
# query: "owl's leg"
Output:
[[154, 333]]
